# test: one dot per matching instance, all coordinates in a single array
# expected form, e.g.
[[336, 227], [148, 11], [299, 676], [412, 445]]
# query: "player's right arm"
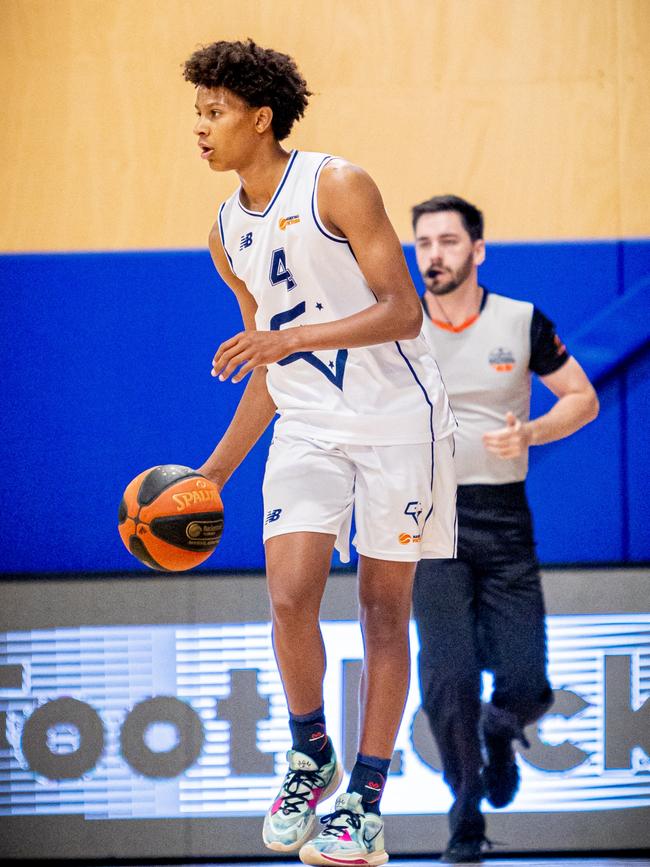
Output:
[[256, 409]]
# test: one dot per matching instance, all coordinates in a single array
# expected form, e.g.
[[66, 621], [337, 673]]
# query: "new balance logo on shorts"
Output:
[[246, 241], [272, 515]]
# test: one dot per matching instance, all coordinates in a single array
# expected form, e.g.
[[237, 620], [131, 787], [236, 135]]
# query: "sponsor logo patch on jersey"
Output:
[[502, 360], [283, 222]]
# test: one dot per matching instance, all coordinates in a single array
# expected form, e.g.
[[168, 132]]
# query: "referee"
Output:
[[485, 610]]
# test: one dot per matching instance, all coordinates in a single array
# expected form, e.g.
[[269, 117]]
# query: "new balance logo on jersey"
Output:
[[246, 241], [414, 509], [272, 516]]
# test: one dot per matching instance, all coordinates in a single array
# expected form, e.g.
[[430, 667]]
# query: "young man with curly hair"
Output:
[[332, 342]]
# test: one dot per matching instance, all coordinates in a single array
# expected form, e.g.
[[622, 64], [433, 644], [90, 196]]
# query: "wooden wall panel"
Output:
[[633, 122], [534, 109]]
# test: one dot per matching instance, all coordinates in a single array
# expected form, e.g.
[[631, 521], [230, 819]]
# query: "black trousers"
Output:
[[482, 611]]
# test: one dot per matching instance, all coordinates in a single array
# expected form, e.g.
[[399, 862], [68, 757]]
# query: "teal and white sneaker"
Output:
[[350, 836], [291, 818]]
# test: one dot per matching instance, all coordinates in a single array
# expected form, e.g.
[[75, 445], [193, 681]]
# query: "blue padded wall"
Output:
[[106, 371], [106, 361]]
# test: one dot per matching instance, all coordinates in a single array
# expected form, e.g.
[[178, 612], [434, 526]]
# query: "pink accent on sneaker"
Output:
[[343, 860], [345, 836], [277, 804]]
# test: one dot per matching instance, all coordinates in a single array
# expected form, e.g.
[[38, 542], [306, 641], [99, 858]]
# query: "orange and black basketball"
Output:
[[171, 518]]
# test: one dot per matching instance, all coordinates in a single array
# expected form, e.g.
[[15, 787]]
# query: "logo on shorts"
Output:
[[502, 360], [414, 509], [272, 515], [406, 538]]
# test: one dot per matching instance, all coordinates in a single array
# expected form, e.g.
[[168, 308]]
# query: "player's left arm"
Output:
[[351, 207], [576, 405]]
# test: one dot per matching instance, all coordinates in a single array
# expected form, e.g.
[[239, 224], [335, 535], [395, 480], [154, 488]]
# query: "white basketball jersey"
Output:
[[301, 274]]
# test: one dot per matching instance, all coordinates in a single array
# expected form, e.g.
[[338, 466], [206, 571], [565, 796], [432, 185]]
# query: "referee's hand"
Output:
[[510, 441]]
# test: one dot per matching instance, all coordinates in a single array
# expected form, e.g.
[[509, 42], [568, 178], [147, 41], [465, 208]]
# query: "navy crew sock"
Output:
[[368, 779], [309, 736]]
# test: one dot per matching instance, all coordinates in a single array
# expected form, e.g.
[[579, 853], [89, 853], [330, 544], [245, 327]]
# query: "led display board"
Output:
[[163, 725]]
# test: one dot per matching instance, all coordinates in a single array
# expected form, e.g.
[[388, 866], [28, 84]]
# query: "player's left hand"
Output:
[[249, 349], [510, 441]]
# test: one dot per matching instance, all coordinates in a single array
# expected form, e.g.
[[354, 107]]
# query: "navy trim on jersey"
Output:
[[424, 391], [223, 240], [426, 397], [275, 194], [314, 212]]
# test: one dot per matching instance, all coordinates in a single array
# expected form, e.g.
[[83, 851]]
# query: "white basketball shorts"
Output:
[[403, 496]]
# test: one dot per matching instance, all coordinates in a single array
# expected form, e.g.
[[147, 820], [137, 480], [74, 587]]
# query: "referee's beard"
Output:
[[449, 280]]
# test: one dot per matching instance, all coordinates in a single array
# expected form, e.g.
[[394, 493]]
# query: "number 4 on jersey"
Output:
[[279, 272]]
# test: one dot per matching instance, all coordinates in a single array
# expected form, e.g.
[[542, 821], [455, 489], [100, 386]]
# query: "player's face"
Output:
[[446, 255], [225, 126]]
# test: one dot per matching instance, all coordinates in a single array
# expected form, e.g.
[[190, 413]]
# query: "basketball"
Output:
[[171, 518]]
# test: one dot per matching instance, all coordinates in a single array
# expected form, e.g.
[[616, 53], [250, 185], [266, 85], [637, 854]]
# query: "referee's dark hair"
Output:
[[470, 215]]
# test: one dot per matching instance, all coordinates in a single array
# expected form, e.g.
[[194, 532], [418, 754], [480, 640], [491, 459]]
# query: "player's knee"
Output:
[[287, 605], [383, 623]]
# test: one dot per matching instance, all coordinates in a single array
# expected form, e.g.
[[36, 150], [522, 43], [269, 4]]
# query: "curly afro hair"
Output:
[[260, 76]]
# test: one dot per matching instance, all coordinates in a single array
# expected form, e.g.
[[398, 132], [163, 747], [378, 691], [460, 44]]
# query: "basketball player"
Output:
[[332, 340], [485, 610]]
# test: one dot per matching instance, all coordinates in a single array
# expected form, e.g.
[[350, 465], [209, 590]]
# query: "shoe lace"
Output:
[[339, 821], [298, 788]]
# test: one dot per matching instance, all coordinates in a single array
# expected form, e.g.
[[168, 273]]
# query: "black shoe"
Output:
[[501, 775], [463, 851]]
